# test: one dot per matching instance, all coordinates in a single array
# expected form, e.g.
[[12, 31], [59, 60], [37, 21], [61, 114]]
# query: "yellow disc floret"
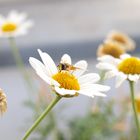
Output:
[[67, 80], [9, 27], [130, 66]]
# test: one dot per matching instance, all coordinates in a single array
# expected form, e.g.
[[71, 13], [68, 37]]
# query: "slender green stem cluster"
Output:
[[20, 63]]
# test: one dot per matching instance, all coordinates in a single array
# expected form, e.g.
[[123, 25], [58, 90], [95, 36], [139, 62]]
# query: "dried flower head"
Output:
[[121, 38], [3, 102], [110, 48]]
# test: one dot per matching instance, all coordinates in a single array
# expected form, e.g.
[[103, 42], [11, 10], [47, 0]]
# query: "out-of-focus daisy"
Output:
[[15, 24], [3, 102], [137, 102], [125, 68], [121, 38], [68, 83], [112, 48]]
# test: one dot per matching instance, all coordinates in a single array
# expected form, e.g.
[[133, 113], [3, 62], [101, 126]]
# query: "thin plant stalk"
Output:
[[102, 76], [20, 63], [41, 117], [134, 108]]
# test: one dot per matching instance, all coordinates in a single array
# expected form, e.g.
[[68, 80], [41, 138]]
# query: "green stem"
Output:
[[20, 63], [41, 117], [102, 76], [134, 107]]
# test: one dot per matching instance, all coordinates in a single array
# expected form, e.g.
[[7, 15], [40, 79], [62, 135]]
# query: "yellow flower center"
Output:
[[112, 48], [67, 80], [9, 27], [130, 66]]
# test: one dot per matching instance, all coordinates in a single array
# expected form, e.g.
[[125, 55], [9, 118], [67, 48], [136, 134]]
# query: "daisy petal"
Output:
[[49, 63], [66, 59], [120, 79], [23, 29], [38, 66], [82, 67], [41, 71], [105, 66], [2, 19], [28, 24], [134, 77], [106, 58], [14, 16], [94, 90], [109, 59], [124, 56], [89, 78], [86, 93], [99, 87], [99, 94], [47, 79], [110, 74], [64, 92]]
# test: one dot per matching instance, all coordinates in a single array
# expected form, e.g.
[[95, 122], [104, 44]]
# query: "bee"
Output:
[[66, 67]]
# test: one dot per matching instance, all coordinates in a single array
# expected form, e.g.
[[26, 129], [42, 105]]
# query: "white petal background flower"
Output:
[[110, 65], [18, 19]]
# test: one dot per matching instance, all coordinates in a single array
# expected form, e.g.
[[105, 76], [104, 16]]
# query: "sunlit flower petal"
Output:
[[134, 77], [64, 92], [89, 78], [105, 66], [120, 79], [66, 59], [49, 63], [110, 74]]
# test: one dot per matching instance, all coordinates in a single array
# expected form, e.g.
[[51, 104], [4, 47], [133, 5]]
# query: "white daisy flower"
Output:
[[66, 83], [14, 24], [124, 68]]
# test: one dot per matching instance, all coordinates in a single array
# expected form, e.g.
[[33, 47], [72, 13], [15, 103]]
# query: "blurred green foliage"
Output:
[[102, 124]]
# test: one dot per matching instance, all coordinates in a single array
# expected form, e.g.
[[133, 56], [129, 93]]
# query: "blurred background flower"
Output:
[[15, 24], [3, 102]]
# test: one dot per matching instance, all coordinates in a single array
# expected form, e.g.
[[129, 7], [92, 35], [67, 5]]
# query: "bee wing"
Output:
[[66, 59]]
